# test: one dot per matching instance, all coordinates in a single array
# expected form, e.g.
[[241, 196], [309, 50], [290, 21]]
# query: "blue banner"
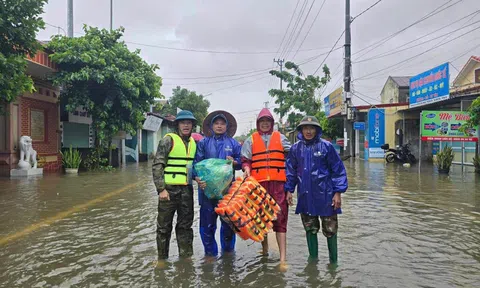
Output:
[[326, 102], [430, 86], [376, 132]]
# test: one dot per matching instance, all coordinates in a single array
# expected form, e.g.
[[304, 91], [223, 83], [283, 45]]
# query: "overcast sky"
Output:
[[259, 26]]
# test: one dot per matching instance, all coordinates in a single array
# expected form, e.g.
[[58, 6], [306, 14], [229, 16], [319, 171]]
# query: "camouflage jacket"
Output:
[[164, 147]]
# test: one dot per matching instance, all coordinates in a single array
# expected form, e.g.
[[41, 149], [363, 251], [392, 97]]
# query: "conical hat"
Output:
[[232, 123]]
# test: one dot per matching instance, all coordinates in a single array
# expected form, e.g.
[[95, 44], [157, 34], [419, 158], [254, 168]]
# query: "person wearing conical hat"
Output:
[[172, 175], [219, 127], [263, 157], [315, 168]]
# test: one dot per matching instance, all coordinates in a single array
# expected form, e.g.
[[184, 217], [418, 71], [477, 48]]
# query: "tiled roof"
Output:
[[402, 81]]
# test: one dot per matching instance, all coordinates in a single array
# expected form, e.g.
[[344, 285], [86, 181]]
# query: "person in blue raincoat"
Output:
[[219, 128], [314, 166]]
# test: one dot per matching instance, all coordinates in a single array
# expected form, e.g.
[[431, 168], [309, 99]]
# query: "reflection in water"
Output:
[[399, 229]]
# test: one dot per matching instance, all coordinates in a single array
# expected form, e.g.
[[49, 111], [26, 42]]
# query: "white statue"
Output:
[[27, 154]]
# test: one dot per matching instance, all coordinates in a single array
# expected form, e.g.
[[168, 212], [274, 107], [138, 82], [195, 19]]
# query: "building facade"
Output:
[[36, 115]]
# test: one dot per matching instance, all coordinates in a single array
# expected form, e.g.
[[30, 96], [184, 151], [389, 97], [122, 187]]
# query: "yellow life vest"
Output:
[[179, 161]]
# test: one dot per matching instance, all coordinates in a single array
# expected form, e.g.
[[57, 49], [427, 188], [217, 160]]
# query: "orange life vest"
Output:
[[248, 209], [268, 164]]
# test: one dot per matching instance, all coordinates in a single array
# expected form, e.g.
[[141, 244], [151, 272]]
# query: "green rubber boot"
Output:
[[332, 249], [312, 243]]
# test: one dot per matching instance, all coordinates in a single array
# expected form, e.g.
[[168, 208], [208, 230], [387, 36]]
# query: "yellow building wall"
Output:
[[469, 76], [392, 115]]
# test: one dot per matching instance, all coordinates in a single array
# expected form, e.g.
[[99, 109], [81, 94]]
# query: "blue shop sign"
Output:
[[359, 125], [376, 132], [430, 86]]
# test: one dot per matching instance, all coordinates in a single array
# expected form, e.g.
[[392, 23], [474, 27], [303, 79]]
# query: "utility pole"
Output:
[[111, 15], [347, 127], [280, 63], [266, 104], [70, 18]]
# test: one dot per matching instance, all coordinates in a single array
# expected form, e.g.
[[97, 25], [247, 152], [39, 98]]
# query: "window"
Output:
[[477, 76], [37, 125]]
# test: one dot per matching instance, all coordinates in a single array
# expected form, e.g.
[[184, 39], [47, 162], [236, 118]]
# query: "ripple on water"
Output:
[[398, 230]]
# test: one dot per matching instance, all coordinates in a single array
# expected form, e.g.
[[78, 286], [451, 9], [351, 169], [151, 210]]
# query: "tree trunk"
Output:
[[110, 153], [98, 148]]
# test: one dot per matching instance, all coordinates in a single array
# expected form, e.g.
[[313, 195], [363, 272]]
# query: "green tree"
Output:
[[187, 100], [298, 99], [332, 128], [474, 112], [113, 84], [19, 24], [240, 138]]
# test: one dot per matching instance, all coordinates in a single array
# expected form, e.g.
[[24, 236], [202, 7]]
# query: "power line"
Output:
[[454, 58], [288, 27], [58, 27], [244, 73], [465, 53], [218, 76], [416, 44], [429, 33], [301, 27], [319, 66], [366, 10], [214, 51], [234, 86], [386, 39], [300, 14], [250, 111], [364, 77], [310, 28], [368, 97], [221, 81]]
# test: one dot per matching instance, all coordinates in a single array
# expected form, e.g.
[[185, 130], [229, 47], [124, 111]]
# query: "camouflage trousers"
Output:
[[312, 224], [181, 201]]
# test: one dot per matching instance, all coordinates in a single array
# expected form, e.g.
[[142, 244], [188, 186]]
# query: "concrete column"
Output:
[[357, 143], [124, 157]]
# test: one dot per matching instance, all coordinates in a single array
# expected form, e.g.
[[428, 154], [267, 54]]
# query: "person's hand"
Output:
[[231, 159], [201, 184], [164, 195], [290, 198], [246, 172], [337, 200]]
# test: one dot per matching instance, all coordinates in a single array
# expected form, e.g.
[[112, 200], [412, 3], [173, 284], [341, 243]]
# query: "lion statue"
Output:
[[27, 154]]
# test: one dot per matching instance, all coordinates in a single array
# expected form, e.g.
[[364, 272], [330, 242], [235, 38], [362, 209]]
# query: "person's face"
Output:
[[265, 124], [219, 126], [309, 132], [185, 127]]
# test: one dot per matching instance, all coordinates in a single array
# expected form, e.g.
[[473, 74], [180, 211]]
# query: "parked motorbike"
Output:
[[402, 154]]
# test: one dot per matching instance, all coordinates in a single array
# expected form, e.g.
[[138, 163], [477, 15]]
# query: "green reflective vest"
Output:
[[179, 161]]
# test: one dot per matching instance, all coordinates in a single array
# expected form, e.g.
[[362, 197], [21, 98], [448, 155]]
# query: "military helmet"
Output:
[[185, 115], [308, 120]]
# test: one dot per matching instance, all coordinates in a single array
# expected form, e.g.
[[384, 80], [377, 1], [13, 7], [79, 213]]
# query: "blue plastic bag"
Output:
[[218, 174]]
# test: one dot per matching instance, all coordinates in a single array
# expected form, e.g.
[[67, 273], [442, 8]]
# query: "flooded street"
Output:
[[399, 229]]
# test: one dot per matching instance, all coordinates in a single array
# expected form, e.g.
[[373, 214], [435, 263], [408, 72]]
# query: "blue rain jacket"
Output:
[[319, 172], [215, 147]]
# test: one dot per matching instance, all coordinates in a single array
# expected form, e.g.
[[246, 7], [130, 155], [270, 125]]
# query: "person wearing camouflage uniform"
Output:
[[173, 180], [315, 167]]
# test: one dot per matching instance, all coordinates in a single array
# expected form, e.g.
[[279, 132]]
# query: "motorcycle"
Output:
[[402, 154]]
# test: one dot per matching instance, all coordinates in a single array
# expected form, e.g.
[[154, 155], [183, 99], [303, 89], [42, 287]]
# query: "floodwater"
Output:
[[400, 228]]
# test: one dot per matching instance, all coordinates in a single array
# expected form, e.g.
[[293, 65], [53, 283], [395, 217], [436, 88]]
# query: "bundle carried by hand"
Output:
[[248, 209], [217, 173]]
